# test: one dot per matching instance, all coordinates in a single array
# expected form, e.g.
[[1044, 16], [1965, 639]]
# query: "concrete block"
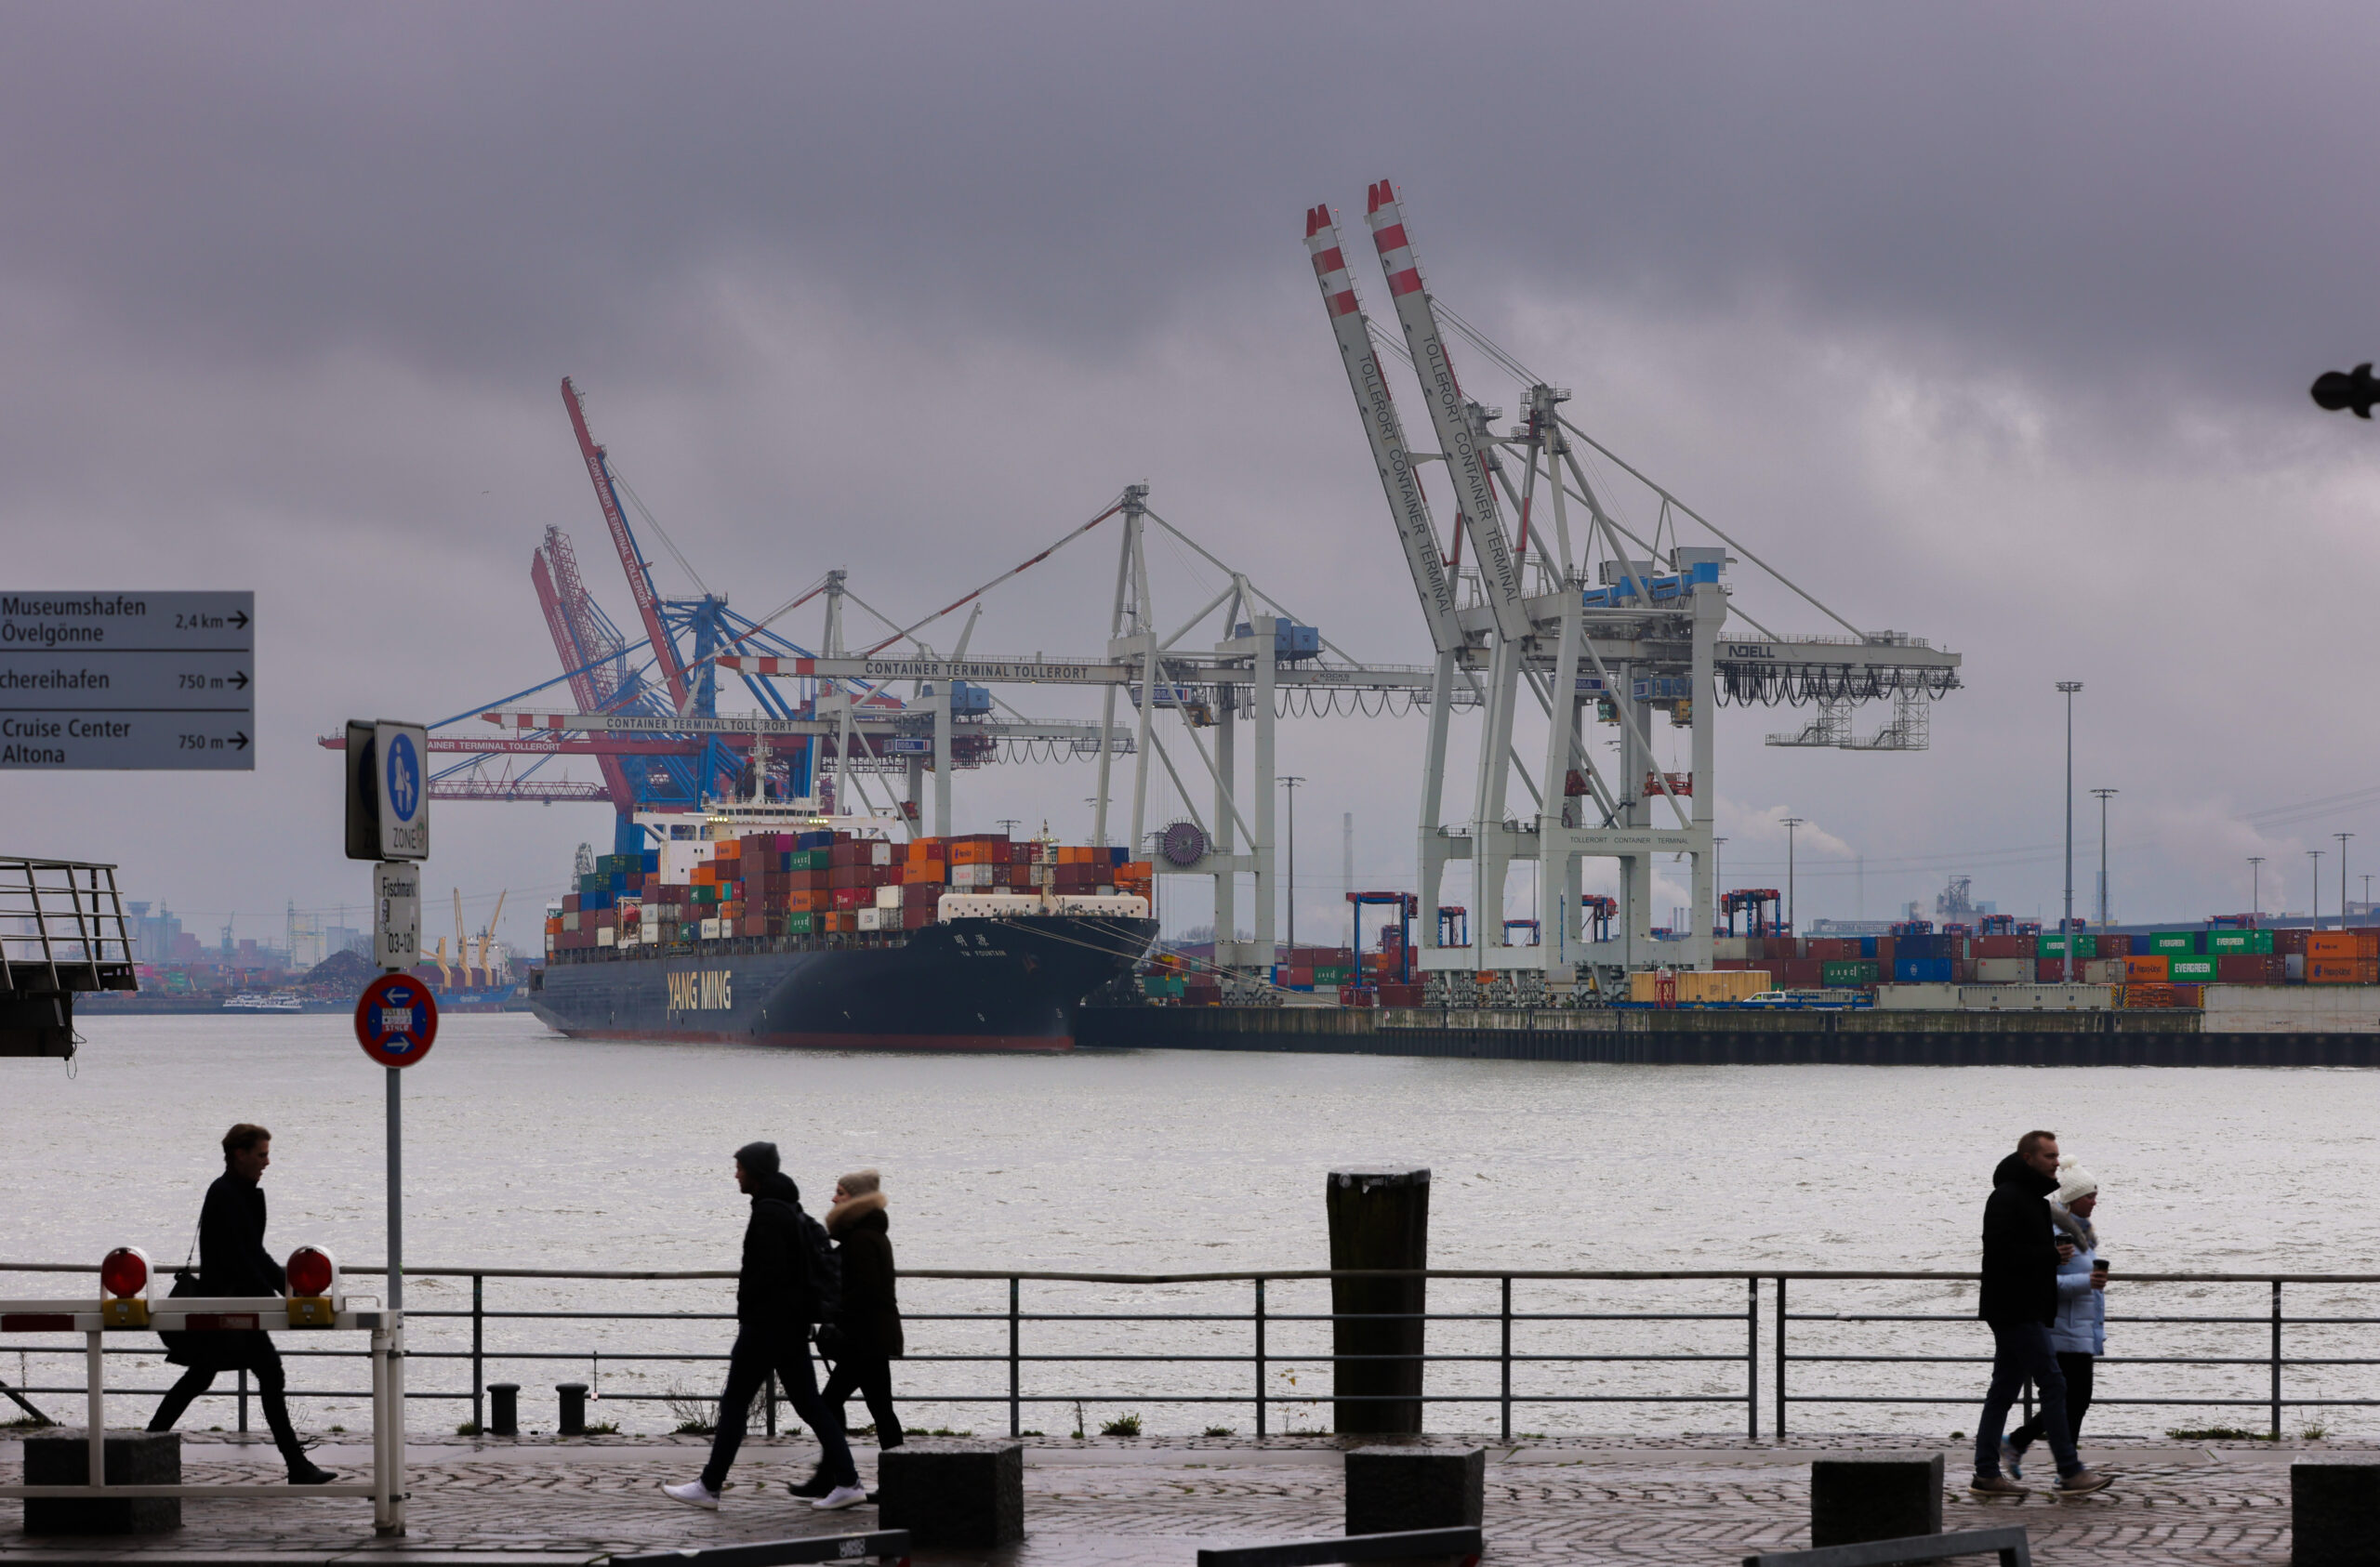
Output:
[[1883, 1497], [1393, 1489], [954, 1493], [2335, 1515], [61, 1457]]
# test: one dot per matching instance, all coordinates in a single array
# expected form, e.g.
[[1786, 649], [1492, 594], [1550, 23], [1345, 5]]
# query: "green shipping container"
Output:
[[1162, 984], [810, 860], [708, 893], [2182, 968], [1333, 976], [2054, 945], [2181, 942], [1848, 973], [798, 924], [2259, 942]]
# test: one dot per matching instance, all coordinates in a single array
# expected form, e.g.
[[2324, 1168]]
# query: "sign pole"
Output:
[[396, 1195]]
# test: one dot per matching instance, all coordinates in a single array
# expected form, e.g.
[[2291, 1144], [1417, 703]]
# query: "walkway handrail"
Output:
[[1251, 1275]]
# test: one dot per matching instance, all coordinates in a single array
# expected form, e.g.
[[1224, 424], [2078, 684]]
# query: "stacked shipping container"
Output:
[[814, 883], [2165, 958]]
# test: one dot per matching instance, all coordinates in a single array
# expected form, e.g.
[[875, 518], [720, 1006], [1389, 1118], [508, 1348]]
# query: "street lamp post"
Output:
[[2255, 897], [2103, 794], [2316, 855], [1290, 783], [2341, 837], [1791, 928], [2065, 924]]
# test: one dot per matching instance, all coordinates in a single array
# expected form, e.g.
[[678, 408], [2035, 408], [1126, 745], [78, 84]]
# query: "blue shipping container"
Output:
[[1867, 946], [1921, 970]]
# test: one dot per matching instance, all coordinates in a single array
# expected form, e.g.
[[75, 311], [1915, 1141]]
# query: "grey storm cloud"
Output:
[[2119, 188], [1993, 322]]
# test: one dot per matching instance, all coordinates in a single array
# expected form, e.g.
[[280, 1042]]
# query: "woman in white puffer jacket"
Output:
[[2081, 1332]]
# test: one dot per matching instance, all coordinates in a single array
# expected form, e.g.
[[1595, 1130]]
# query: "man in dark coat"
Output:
[[233, 1262], [2019, 1301], [866, 1335], [773, 1311]]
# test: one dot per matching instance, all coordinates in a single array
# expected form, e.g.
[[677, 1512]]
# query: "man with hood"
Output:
[[2021, 1254], [773, 1311]]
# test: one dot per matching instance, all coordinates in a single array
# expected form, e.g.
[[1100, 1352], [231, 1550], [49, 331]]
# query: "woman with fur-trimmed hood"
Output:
[[866, 1335], [2080, 1334]]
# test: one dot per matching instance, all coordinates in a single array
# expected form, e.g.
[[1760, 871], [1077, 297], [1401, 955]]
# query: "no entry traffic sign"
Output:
[[397, 1019]]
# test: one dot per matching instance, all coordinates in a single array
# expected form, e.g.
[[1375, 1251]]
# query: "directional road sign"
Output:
[[127, 680], [397, 1020]]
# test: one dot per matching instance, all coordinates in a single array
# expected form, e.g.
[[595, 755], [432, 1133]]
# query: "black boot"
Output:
[[817, 1485], [302, 1470]]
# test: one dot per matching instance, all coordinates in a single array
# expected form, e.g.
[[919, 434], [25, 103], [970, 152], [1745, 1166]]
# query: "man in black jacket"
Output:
[[231, 1262], [2019, 1299], [773, 1311]]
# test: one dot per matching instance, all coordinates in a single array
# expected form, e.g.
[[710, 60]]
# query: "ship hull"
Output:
[[1011, 985]]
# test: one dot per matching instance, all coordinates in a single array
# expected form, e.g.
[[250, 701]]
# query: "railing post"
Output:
[[1506, 1357], [2276, 1360], [1751, 1356], [1780, 1357], [1016, 1404], [479, 1362], [1260, 1357], [243, 1398]]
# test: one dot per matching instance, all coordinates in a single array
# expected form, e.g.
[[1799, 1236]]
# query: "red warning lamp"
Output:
[[312, 1271], [125, 1273], [124, 1277]]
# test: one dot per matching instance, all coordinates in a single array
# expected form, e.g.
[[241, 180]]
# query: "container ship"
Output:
[[730, 930]]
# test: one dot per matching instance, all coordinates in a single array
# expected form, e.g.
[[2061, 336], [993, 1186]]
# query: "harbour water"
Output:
[[527, 1150]]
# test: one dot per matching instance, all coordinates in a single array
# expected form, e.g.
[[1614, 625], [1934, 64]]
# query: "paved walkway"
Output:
[[1112, 1503]]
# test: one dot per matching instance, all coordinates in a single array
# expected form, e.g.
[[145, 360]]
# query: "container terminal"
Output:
[[1590, 625]]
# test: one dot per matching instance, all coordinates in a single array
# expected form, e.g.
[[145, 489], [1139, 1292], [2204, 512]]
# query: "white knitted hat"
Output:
[[2075, 1182]]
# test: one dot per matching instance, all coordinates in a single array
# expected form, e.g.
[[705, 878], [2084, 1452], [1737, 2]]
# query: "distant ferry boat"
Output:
[[256, 1001]]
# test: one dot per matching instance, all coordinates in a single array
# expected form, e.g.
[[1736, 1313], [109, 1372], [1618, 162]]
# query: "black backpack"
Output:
[[822, 1271]]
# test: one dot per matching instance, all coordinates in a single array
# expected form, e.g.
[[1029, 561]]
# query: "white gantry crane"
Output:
[[1655, 629]]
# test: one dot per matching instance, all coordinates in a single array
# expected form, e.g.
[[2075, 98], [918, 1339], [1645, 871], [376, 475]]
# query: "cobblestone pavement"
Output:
[[1117, 1504]]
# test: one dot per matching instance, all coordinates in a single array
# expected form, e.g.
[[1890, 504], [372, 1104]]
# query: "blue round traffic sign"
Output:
[[405, 777], [397, 1019]]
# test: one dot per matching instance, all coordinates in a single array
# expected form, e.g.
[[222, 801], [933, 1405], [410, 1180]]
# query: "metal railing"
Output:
[[61, 926], [1496, 1340]]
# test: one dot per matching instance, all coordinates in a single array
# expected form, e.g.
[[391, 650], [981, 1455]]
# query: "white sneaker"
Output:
[[694, 1494], [841, 1496]]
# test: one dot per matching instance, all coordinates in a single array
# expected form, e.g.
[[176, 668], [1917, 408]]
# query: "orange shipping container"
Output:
[[2341, 971], [923, 873], [2151, 968], [921, 850], [2331, 944], [971, 853]]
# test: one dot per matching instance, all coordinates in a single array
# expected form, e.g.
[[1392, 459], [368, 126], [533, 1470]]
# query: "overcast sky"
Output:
[[1990, 325]]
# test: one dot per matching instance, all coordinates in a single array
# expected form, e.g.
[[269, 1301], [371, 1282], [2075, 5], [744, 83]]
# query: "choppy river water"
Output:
[[527, 1150]]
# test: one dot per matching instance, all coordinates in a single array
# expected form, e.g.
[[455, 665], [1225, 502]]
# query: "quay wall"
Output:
[[1726, 1037]]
